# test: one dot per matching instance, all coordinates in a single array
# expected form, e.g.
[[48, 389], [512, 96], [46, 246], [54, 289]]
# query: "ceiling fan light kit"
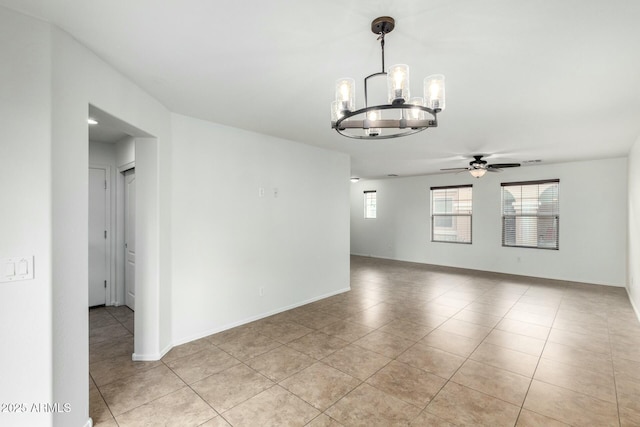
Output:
[[478, 167], [402, 115]]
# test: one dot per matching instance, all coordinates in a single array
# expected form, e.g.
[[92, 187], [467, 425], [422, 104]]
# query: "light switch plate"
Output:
[[16, 268]]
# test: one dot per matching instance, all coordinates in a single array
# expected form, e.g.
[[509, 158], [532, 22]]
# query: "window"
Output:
[[451, 209], [530, 214], [369, 204]]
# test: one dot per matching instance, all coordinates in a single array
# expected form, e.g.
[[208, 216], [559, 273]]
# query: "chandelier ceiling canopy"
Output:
[[403, 115]]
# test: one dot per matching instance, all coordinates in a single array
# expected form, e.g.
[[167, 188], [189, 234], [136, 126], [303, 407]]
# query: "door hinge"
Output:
[[105, 184], [105, 234], [105, 283]]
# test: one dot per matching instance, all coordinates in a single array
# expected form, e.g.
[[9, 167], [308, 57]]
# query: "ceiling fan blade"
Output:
[[504, 165], [493, 170], [455, 169]]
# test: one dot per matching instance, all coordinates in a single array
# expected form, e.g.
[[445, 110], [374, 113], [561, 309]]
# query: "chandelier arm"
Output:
[[382, 49], [366, 91]]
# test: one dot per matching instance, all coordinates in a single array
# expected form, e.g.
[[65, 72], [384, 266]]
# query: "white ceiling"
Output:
[[557, 80]]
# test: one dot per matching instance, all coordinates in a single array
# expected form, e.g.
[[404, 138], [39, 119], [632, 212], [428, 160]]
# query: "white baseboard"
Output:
[[152, 356]]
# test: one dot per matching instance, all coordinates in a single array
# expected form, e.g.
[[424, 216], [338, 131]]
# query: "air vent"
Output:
[[531, 162]]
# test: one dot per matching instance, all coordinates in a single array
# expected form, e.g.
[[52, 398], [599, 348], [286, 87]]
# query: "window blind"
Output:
[[531, 214]]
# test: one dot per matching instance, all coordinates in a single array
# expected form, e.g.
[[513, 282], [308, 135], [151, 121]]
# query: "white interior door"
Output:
[[98, 250], [130, 238]]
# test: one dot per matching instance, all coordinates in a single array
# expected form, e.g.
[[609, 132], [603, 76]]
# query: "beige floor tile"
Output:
[[374, 317], [477, 318], [523, 328], [385, 344], [627, 368], [107, 333], [116, 368], [218, 421], [406, 329], [368, 406], [629, 417], [121, 312], [315, 319], [496, 382], [347, 331], [423, 317], [230, 387], [598, 362], [98, 409], [569, 406], [432, 360], [323, 420], [524, 316], [517, 342], [464, 406], [465, 329], [108, 423], [186, 349], [454, 303], [504, 358], [320, 385], [592, 342], [356, 361], [272, 407], [581, 327], [197, 366], [594, 384], [531, 419], [427, 419], [628, 393], [248, 344], [407, 383], [496, 310], [318, 344], [182, 407], [112, 348], [625, 350], [99, 317], [541, 310], [283, 332], [450, 342], [280, 363], [143, 387], [444, 310]]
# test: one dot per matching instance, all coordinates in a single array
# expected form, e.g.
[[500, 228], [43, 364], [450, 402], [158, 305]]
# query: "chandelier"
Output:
[[402, 115]]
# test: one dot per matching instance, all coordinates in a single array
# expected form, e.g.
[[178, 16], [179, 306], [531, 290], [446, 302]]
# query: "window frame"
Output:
[[451, 216], [554, 216], [366, 205]]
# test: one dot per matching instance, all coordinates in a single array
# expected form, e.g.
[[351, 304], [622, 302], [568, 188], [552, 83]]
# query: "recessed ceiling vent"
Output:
[[531, 162]]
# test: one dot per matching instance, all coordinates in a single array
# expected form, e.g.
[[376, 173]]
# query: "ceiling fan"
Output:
[[479, 167]]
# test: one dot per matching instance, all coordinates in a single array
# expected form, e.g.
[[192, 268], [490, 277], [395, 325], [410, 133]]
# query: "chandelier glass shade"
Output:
[[402, 115]]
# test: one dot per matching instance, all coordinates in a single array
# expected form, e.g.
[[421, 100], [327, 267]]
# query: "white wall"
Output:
[[633, 262], [593, 223], [229, 242], [25, 213], [80, 78]]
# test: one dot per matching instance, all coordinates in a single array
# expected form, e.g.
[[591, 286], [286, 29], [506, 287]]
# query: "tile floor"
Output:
[[410, 344]]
